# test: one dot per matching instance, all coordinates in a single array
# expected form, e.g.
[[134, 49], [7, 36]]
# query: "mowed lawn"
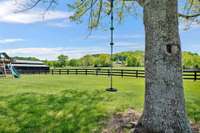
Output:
[[73, 104]]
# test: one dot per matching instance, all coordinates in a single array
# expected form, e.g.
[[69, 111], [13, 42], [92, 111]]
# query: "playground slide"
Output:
[[1, 72], [14, 72]]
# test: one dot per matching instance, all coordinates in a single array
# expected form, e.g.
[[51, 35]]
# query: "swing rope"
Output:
[[111, 89]]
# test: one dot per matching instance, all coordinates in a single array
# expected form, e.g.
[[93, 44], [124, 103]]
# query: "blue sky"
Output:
[[31, 34]]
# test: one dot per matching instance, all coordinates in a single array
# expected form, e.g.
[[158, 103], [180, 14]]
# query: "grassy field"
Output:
[[73, 104]]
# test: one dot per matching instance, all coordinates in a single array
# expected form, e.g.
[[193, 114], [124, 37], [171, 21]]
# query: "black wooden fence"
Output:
[[187, 74], [106, 72]]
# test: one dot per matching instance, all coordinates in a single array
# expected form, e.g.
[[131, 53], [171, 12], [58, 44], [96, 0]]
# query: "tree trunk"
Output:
[[164, 108]]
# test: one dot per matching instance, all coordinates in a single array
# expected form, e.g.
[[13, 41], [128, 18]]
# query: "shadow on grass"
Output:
[[69, 111]]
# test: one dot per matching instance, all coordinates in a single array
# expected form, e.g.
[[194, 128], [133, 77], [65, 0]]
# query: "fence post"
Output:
[[96, 72], [76, 71], [59, 71], [85, 71], [136, 73], [122, 73], [195, 75], [67, 71], [52, 72]]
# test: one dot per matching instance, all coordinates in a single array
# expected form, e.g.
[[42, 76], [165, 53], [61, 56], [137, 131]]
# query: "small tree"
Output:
[[87, 60], [132, 61], [104, 60], [62, 60], [74, 62]]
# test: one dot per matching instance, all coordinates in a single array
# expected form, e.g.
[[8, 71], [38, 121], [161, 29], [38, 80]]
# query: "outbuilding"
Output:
[[22, 66]]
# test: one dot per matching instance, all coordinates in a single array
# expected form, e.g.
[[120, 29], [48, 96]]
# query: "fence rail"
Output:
[[187, 74]]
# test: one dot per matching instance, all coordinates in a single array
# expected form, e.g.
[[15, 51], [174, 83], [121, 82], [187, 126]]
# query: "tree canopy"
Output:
[[98, 10]]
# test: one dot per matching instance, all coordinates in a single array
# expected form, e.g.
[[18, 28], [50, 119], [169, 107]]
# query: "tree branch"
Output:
[[189, 16], [34, 3]]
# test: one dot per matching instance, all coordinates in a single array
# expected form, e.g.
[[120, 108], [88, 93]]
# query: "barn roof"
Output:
[[4, 55], [28, 65], [27, 62], [4, 58]]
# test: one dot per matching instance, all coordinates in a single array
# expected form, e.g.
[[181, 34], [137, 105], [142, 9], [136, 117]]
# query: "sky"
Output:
[[47, 35]]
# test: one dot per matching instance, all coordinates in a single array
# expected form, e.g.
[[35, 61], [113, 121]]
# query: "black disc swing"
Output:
[[111, 89]]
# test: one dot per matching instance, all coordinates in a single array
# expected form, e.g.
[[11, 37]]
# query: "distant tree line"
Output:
[[100, 60], [26, 58], [122, 59], [191, 60]]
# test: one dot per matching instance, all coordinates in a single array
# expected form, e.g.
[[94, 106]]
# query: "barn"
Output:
[[23, 66]]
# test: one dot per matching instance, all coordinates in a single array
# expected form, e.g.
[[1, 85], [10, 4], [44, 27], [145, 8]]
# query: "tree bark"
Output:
[[164, 108]]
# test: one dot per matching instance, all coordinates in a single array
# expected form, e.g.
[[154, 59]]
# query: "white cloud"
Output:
[[59, 24], [10, 40], [129, 45], [8, 9], [52, 53], [77, 52]]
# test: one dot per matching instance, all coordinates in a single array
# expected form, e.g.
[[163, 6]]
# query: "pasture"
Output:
[[74, 104]]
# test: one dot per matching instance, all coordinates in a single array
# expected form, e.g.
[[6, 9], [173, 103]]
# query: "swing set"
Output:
[[6, 66], [4, 60]]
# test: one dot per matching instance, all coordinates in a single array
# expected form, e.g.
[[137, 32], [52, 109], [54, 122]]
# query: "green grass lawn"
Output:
[[73, 104]]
